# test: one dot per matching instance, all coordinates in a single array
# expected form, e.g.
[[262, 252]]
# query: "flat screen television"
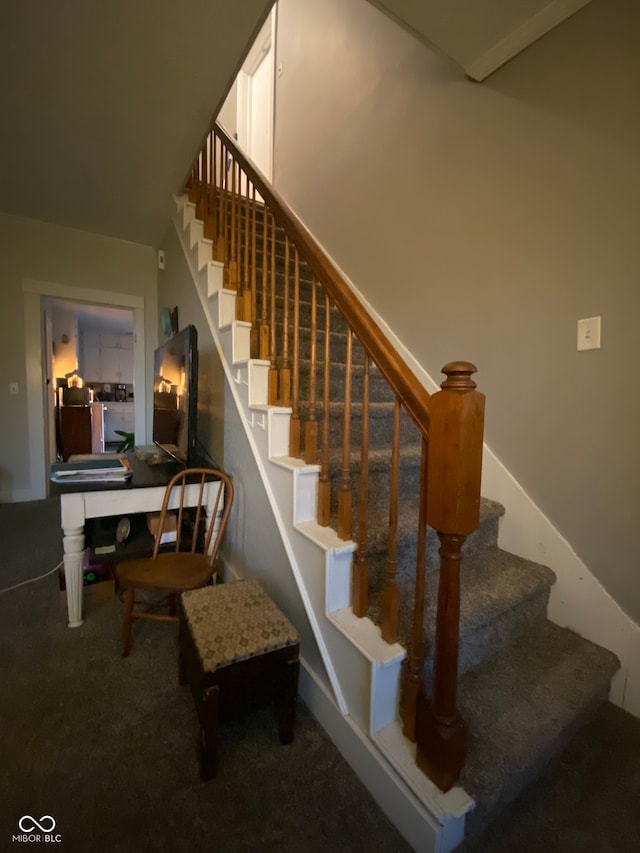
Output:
[[175, 396]]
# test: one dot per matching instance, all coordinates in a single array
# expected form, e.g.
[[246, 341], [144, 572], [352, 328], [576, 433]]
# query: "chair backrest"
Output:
[[195, 493]]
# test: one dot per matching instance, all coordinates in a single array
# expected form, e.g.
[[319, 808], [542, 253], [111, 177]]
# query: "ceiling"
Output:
[[480, 35], [102, 318], [106, 102]]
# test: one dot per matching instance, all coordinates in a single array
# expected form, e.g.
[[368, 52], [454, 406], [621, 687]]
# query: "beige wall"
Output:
[[31, 250], [176, 289], [64, 325], [482, 221]]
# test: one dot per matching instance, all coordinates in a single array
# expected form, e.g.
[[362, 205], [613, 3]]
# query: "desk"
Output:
[[143, 492]]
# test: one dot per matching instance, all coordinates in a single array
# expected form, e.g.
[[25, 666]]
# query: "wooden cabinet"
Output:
[[106, 357], [75, 430]]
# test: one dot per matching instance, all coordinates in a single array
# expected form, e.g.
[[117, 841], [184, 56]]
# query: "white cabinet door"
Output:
[[90, 362], [126, 366], [110, 364]]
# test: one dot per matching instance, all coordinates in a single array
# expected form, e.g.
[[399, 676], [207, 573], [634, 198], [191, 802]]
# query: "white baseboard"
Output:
[[16, 496], [578, 600], [395, 799]]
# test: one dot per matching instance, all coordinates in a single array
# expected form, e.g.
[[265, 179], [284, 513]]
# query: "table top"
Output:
[[143, 475]]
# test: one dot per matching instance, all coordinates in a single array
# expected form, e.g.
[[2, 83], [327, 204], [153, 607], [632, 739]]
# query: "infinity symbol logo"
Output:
[[45, 824]]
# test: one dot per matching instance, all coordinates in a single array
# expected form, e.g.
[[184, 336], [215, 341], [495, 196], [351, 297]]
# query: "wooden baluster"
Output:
[[200, 212], [233, 257], [248, 301], [243, 300], [311, 426], [324, 484], [192, 183], [226, 219], [264, 324], [412, 683], [294, 425], [390, 606], [360, 577], [219, 251], [210, 226], [254, 343], [206, 225], [453, 510], [344, 495], [285, 370], [273, 370]]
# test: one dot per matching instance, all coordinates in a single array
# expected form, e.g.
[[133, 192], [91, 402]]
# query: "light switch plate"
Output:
[[589, 333]]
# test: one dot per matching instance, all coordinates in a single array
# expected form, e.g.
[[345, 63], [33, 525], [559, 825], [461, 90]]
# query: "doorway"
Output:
[[250, 104], [93, 345], [37, 352]]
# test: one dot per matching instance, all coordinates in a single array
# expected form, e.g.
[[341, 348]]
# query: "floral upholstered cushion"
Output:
[[232, 622]]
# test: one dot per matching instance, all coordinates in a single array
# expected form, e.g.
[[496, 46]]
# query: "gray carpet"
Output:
[[107, 747]]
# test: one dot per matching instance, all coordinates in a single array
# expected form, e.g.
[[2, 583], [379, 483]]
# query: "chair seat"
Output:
[[232, 622], [172, 572]]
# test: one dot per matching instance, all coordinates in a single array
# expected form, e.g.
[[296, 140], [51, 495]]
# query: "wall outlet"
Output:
[[160, 259], [589, 333]]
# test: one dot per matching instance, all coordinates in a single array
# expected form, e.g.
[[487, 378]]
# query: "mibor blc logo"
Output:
[[37, 830]]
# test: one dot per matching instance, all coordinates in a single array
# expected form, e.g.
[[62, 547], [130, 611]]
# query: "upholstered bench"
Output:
[[237, 652]]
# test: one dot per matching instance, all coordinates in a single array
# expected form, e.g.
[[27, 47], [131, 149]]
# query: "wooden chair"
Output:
[[190, 563]]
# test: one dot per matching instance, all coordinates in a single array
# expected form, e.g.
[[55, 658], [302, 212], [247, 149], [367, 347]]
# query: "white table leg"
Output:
[[73, 544]]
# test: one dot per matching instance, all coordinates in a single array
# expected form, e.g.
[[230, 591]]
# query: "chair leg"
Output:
[[129, 600]]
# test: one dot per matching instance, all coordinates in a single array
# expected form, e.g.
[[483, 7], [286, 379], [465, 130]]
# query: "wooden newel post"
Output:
[[453, 510]]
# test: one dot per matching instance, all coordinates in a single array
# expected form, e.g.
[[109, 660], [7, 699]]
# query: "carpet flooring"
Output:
[[107, 747]]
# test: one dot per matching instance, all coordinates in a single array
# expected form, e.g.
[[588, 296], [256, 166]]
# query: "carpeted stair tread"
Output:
[[522, 705], [501, 596], [495, 581], [378, 524]]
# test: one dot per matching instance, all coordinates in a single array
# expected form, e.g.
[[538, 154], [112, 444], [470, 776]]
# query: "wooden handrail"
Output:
[[415, 398]]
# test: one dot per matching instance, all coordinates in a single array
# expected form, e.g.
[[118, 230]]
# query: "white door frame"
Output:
[[33, 292], [262, 50]]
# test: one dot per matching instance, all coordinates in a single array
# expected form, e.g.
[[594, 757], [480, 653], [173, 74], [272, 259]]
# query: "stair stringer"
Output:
[[363, 670]]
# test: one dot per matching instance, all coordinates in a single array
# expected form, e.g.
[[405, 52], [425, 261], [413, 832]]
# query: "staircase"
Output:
[[524, 683]]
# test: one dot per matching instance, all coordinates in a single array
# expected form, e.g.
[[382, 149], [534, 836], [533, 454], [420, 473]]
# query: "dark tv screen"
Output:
[[175, 395]]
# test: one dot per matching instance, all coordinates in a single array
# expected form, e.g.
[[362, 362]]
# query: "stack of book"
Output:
[[94, 470]]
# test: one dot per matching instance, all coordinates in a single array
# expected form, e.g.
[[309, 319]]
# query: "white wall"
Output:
[[61, 258], [481, 221]]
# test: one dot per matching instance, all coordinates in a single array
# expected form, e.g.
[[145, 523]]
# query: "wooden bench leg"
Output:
[[209, 725], [286, 699]]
